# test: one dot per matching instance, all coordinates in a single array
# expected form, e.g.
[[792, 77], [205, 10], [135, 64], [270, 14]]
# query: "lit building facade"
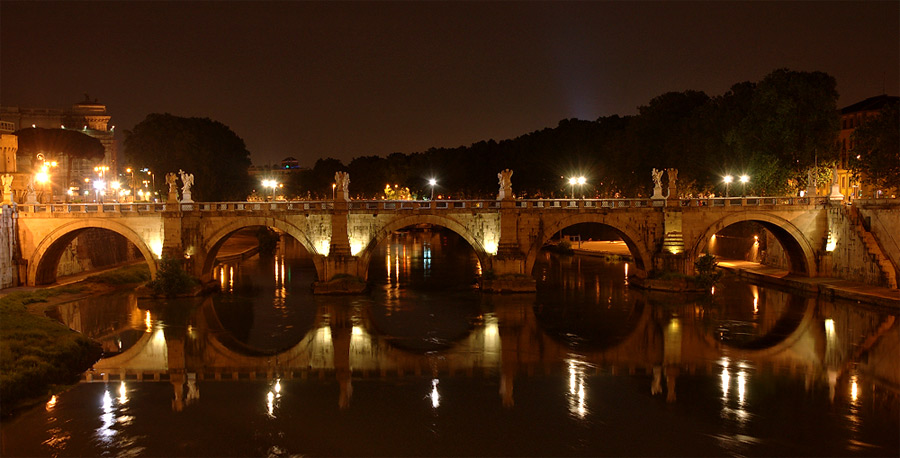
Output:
[[852, 117], [89, 117]]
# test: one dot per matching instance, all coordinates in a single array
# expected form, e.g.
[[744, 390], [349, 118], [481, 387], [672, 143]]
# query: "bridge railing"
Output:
[[136, 208]]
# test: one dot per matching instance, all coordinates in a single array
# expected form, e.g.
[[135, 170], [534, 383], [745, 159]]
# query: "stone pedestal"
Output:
[[186, 197]]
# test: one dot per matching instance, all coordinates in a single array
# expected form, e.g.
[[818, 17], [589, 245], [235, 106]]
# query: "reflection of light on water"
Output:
[[854, 389], [576, 394], [51, 403], [105, 431], [742, 387], [147, 322], [725, 379], [434, 395], [123, 397], [829, 328], [755, 291], [272, 398]]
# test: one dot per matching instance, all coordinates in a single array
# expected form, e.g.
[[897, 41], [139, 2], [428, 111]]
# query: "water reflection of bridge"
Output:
[[507, 341]]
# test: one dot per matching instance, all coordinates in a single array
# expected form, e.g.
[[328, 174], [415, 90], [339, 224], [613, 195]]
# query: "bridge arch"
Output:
[[800, 253], [365, 256], [643, 258], [214, 242], [45, 260]]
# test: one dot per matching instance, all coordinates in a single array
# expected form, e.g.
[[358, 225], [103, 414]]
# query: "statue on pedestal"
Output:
[[835, 186], [505, 178], [188, 180], [342, 186], [673, 175], [30, 194], [657, 184], [7, 180], [173, 190]]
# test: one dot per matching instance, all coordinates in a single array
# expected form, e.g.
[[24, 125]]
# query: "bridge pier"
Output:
[[340, 269], [508, 266]]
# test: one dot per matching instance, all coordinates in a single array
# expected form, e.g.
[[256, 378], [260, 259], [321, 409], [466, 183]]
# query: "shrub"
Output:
[[171, 280], [707, 274]]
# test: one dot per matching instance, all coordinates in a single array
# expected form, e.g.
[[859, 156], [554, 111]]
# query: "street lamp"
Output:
[[580, 181], [333, 185], [728, 180], [432, 182], [270, 184], [744, 180]]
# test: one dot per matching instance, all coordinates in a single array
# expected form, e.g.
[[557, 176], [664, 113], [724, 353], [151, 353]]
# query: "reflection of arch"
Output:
[[377, 325], [215, 241], [223, 335], [366, 254], [642, 257], [609, 340], [770, 344], [44, 262], [795, 244]]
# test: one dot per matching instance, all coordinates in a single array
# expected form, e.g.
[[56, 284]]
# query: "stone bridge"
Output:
[[506, 235]]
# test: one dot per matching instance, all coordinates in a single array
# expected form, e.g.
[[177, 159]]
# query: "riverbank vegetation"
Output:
[[36, 352]]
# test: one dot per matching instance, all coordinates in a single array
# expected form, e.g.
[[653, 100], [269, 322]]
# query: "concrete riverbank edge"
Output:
[[832, 288]]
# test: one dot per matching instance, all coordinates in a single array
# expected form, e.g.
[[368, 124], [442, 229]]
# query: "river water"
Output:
[[427, 365]]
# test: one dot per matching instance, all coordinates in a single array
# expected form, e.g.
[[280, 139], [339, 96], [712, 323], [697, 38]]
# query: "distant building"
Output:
[[852, 117], [88, 117], [279, 172]]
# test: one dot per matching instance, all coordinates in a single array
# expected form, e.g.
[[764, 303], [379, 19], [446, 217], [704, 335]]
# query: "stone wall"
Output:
[[882, 217], [850, 258], [9, 269]]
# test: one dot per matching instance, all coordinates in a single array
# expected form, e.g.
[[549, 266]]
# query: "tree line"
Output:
[[773, 130]]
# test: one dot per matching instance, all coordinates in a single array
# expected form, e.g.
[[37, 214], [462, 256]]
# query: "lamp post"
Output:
[[131, 184], [432, 182], [580, 181], [744, 179], [728, 180], [333, 185]]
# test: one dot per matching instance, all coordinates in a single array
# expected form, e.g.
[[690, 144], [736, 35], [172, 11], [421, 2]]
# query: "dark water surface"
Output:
[[427, 365]]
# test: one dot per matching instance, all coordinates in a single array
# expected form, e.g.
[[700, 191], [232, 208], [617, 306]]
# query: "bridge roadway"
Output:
[[506, 235], [804, 337]]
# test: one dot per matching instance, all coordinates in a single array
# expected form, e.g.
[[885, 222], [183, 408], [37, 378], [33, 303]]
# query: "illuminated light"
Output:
[[324, 246], [99, 184], [829, 327], [115, 185], [156, 246], [712, 290], [832, 242], [626, 270], [854, 388], [490, 247], [356, 331], [742, 387], [147, 322], [270, 404], [755, 291], [41, 177], [435, 396], [123, 398], [744, 178], [278, 386], [712, 238], [728, 178], [356, 246]]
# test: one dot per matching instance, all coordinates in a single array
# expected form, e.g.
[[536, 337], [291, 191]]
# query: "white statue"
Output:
[[30, 194], [7, 180], [342, 185], [673, 175], [657, 184], [505, 178], [188, 180]]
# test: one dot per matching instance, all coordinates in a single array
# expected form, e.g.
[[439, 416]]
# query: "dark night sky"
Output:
[[315, 80]]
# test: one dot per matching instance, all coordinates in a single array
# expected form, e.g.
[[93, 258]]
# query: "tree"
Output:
[[792, 122], [209, 149], [51, 142], [877, 145]]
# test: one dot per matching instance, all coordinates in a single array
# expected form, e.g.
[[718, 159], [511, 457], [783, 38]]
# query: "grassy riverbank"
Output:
[[38, 353]]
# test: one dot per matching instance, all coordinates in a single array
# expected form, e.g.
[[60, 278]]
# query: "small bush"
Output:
[[707, 274], [171, 280]]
